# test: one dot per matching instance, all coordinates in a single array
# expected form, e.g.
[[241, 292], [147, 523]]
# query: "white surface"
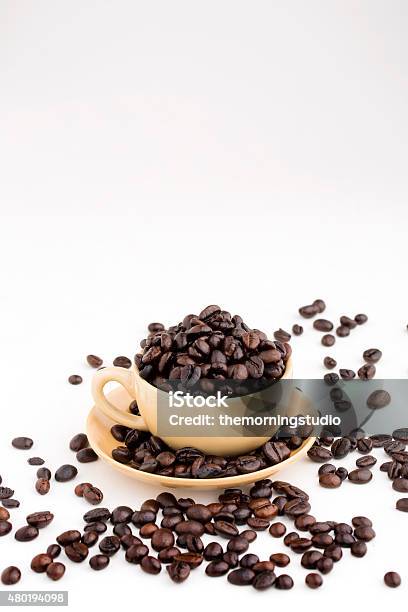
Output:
[[157, 157]]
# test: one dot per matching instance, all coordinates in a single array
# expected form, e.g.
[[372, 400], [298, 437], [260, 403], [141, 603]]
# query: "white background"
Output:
[[159, 156]]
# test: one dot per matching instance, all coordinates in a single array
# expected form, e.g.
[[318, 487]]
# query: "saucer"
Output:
[[101, 440]]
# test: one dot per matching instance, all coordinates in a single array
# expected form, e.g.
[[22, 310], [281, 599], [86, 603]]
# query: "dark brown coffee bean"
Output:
[[36, 461], [314, 581], [343, 331], [304, 522], [320, 305], [310, 559], [86, 455], [360, 319], [97, 526], [136, 552], [44, 473], [324, 565], [329, 481], [238, 544], [42, 486], [161, 539], [331, 379], [26, 533], [65, 473], [323, 325], [217, 568], [358, 549], [264, 580], [322, 540], [281, 335], [6, 492], [78, 442], [333, 552], [80, 488], [402, 504], [329, 362], [109, 545], [122, 362], [10, 503], [372, 355], [224, 529], [249, 534], [53, 551], [329, 340], [319, 454], [93, 495], [40, 519], [299, 545], [99, 562], [360, 476], [150, 565], [11, 575], [68, 537], [277, 530], [361, 521], [97, 514], [392, 579], [5, 527], [341, 447], [76, 552], [275, 452], [199, 512], [378, 399], [366, 462], [326, 468], [179, 571], [364, 445], [90, 538], [297, 329], [296, 507], [280, 559], [167, 555], [4, 514], [347, 374], [283, 582], [309, 311], [75, 379], [347, 322], [55, 570], [366, 372], [22, 443], [257, 524], [380, 439], [241, 576], [94, 361], [191, 558], [400, 485]]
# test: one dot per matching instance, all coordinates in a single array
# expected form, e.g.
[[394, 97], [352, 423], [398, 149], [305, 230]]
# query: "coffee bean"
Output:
[[6, 492], [99, 562], [322, 540], [341, 447], [122, 362], [320, 305], [191, 558], [223, 528], [347, 322], [280, 559], [68, 537], [22, 443], [161, 539], [360, 319], [80, 488], [297, 329], [199, 512], [360, 476], [324, 565], [331, 379], [53, 551], [401, 434], [378, 399], [361, 521], [284, 582], [93, 495], [75, 379], [358, 549], [241, 577], [323, 325], [319, 454], [314, 581], [150, 565], [277, 530], [329, 363], [264, 580], [40, 519], [97, 526], [86, 455], [281, 335], [238, 544], [329, 340], [333, 552], [364, 533], [90, 538], [55, 570], [10, 503], [343, 331], [76, 552], [179, 571], [400, 485], [392, 579], [35, 461], [167, 555], [310, 558], [366, 462], [380, 439], [366, 372], [402, 504], [372, 355], [4, 514], [26, 533], [304, 522], [217, 568], [78, 442], [329, 481], [65, 473], [44, 473], [308, 311], [5, 527], [94, 361], [347, 374], [42, 486], [11, 575], [299, 545], [136, 552]]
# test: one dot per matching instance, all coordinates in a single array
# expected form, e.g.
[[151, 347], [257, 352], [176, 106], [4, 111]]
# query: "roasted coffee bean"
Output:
[[342, 473], [44, 473], [344, 539], [320, 527], [89, 538], [4, 514], [290, 537], [284, 582], [280, 559], [314, 581], [326, 468], [11, 575], [55, 570], [93, 495], [322, 540], [400, 485], [249, 534], [401, 435], [241, 576], [329, 362], [94, 361], [26, 533], [378, 399], [347, 374], [36, 461], [121, 514], [257, 524], [6, 492], [122, 454], [68, 537], [161, 539], [86, 455], [119, 432], [192, 559], [42, 486], [358, 549], [40, 519], [80, 488], [347, 322], [319, 454], [341, 447], [217, 568], [99, 562], [264, 580], [53, 551], [109, 545], [310, 558], [402, 504], [333, 552], [277, 530], [329, 340], [65, 473], [343, 331], [97, 514], [150, 565], [75, 379], [361, 521], [360, 476], [366, 462], [299, 545], [308, 311], [323, 325], [392, 579], [10, 503], [166, 499], [122, 529], [320, 305], [304, 522], [281, 335], [231, 558], [199, 512], [297, 329], [78, 442], [275, 452], [324, 565], [366, 372], [330, 481], [76, 552], [179, 571], [97, 526], [122, 362], [364, 445], [222, 528], [167, 555], [130, 540], [213, 551], [372, 355], [360, 319], [249, 560], [331, 379], [5, 527], [380, 439], [22, 443], [238, 544]]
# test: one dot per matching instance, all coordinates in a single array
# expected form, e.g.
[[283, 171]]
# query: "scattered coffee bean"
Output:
[[78, 442], [360, 319], [11, 575], [329, 363], [65, 473], [42, 486], [297, 330], [331, 379], [94, 361], [75, 379], [347, 374], [22, 443], [26, 533], [93, 495], [40, 519], [314, 581], [179, 571], [77, 552], [5, 527], [360, 476], [372, 355], [358, 549], [68, 537], [54, 550], [329, 481], [281, 335], [241, 577], [343, 331], [328, 340], [150, 565], [4, 514], [284, 582], [44, 473], [319, 454], [309, 311], [366, 372], [35, 461], [10, 503], [323, 325], [40, 563], [366, 462], [392, 579], [280, 559], [378, 399], [99, 562], [86, 455], [402, 504], [277, 530], [55, 570], [347, 322], [122, 362]]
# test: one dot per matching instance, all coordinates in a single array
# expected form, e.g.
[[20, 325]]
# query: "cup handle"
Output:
[[126, 378]]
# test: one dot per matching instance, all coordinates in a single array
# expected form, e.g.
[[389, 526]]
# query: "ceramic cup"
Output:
[[147, 397]]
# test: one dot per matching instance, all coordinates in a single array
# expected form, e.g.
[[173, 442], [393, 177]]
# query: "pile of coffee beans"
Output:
[[143, 451], [212, 345]]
